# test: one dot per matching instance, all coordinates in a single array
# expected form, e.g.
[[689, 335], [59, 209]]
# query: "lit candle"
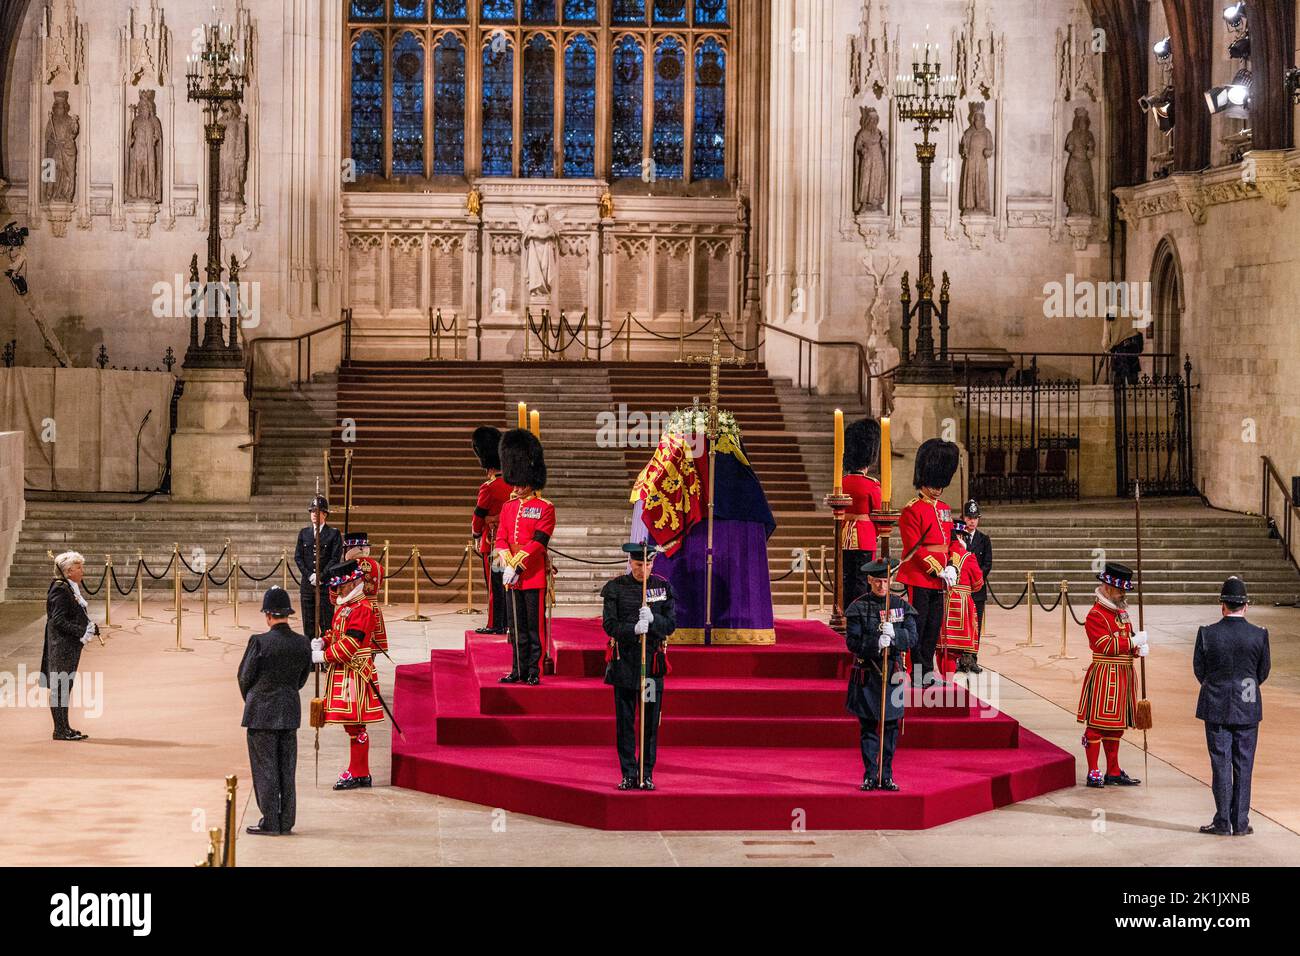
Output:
[[839, 451], [535, 423], [886, 464], [523, 415]]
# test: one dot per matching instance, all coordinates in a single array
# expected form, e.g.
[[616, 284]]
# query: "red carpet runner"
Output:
[[752, 739]]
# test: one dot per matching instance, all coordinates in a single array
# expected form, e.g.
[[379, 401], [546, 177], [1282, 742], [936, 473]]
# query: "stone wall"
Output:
[[12, 503]]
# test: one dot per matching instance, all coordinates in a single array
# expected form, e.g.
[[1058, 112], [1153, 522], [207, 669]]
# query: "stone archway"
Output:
[[1167, 303]]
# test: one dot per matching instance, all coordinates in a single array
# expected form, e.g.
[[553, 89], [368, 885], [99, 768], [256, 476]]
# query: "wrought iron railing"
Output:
[[1287, 511]]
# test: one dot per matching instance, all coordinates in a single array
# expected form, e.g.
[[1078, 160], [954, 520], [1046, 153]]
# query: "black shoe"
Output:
[[627, 783], [648, 784], [970, 665], [1096, 781], [69, 735], [1246, 832], [259, 830], [511, 678], [484, 630], [351, 783], [1215, 831], [1121, 779], [499, 631], [533, 681], [868, 783], [888, 784]]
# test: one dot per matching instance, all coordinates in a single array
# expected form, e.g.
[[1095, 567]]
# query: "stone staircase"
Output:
[[294, 428]]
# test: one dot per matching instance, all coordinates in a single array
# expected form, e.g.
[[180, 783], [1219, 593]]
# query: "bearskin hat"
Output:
[[487, 444], [861, 444], [936, 463], [523, 463]]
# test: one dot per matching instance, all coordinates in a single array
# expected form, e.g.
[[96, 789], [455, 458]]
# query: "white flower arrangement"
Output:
[[695, 420]]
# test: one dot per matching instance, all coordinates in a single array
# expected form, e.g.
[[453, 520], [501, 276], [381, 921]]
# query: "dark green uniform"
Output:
[[863, 700]]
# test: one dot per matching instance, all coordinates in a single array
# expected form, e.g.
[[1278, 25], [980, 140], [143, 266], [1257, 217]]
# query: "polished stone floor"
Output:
[[149, 783]]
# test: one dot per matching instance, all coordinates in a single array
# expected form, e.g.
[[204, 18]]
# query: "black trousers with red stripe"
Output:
[[525, 609], [495, 589], [930, 608]]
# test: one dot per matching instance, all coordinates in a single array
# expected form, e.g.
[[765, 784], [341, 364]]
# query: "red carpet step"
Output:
[[752, 738]]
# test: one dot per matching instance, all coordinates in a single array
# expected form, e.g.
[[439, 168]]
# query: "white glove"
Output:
[[1143, 650], [1139, 638], [509, 576], [887, 630], [317, 657], [311, 578], [90, 633], [641, 627], [886, 640], [949, 575], [646, 615], [317, 644]]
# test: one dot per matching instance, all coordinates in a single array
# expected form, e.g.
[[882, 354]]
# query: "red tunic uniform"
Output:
[[859, 531], [350, 682], [525, 528], [926, 522], [961, 633], [1108, 700], [373, 589], [492, 497]]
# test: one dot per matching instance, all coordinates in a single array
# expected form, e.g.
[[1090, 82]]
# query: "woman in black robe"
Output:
[[67, 629]]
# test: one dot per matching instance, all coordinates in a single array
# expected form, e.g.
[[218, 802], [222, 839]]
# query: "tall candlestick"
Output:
[[535, 422], [839, 451], [886, 465], [523, 415]]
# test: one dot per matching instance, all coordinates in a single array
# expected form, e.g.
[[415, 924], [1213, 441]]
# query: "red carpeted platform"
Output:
[[752, 738]]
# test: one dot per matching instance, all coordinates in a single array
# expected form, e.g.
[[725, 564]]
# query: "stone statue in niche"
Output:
[[1080, 188], [976, 196], [144, 152], [541, 242], [871, 176], [234, 153], [60, 156]]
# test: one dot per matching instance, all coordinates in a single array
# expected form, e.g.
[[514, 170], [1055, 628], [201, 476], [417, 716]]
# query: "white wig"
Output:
[[67, 559]]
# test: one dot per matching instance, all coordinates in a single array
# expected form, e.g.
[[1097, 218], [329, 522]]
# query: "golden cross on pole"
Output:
[[716, 361]]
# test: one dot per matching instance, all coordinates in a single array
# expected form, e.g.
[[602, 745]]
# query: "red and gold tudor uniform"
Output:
[[858, 536], [523, 533], [925, 527], [493, 493], [961, 633], [356, 546], [1108, 701], [348, 648]]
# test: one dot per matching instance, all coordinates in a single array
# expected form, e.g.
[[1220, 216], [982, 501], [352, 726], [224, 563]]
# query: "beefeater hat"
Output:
[[523, 463], [861, 444], [487, 446], [936, 463]]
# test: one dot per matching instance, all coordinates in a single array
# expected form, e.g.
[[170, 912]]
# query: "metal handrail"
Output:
[[864, 367], [251, 366], [1100, 361], [1271, 477]]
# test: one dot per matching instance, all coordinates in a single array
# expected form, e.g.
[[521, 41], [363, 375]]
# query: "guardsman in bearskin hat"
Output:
[[961, 637], [637, 606], [356, 547], [858, 543], [352, 683], [1109, 701], [875, 621], [316, 620], [523, 533], [493, 493], [979, 545], [925, 527]]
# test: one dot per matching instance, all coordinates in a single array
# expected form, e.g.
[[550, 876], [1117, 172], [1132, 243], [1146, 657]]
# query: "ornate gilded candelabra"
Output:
[[213, 77], [927, 99]]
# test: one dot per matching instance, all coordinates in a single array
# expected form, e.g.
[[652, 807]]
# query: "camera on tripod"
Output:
[[13, 236]]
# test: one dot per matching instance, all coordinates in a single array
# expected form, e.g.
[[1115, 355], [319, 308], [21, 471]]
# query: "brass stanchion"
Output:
[[681, 335], [1029, 600], [108, 594], [469, 607], [1065, 654], [805, 584], [821, 582], [284, 568], [230, 578], [385, 564], [234, 577], [627, 347], [528, 334], [205, 604], [415, 576], [232, 809], [139, 585], [179, 603]]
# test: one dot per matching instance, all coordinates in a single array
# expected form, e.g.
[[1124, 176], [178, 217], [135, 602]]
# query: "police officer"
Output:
[[636, 605], [274, 669], [316, 620], [979, 545], [870, 631]]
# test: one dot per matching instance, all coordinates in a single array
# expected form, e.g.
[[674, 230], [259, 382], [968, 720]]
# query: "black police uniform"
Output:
[[622, 607], [316, 621], [978, 544], [863, 700]]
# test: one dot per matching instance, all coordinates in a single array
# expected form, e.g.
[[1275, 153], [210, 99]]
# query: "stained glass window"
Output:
[[580, 108], [408, 106], [449, 9], [449, 107], [670, 11], [709, 141], [579, 11], [668, 139], [499, 10], [628, 109], [539, 11], [537, 157], [408, 9], [629, 11], [708, 12], [498, 107], [368, 105], [367, 9]]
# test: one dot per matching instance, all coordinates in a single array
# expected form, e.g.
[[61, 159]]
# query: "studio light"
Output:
[[1163, 49], [1291, 83], [1235, 14], [1162, 105], [1232, 100], [1239, 49]]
